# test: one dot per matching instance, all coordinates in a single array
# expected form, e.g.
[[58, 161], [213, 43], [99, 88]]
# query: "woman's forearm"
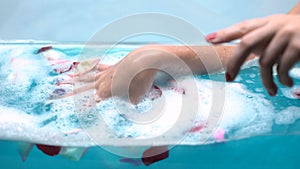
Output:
[[179, 59]]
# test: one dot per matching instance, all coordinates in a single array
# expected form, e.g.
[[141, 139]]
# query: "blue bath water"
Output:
[[276, 149], [272, 152]]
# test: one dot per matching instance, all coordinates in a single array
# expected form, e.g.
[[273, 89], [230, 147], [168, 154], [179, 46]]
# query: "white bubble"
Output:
[[288, 115], [252, 75]]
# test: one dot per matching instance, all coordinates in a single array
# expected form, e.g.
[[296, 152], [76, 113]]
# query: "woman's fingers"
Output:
[[290, 57], [274, 50], [99, 67], [272, 55], [88, 77], [84, 88], [86, 67], [83, 78], [248, 44], [92, 80], [76, 91], [275, 38], [266, 73], [102, 93], [236, 31], [269, 57], [102, 67], [69, 82]]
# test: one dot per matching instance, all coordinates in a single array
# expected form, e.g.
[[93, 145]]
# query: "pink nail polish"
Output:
[[228, 77], [210, 37]]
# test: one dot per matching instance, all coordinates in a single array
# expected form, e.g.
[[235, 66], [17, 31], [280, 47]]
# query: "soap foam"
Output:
[[27, 113], [288, 115]]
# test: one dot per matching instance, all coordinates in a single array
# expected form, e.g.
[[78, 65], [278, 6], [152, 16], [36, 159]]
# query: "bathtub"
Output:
[[260, 131], [66, 26]]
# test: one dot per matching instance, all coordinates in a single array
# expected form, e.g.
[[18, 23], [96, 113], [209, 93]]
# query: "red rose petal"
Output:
[[155, 154], [178, 90], [49, 150], [196, 128], [296, 94], [44, 49], [155, 93]]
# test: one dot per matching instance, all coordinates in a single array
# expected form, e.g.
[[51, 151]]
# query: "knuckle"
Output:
[[243, 27], [265, 62], [282, 72], [295, 45], [287, 30], [245, 43]]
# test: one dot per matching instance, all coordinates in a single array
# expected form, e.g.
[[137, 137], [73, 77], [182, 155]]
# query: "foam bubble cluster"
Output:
[[288, 115]]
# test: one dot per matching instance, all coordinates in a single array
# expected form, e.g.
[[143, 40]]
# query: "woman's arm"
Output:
[[133, 76], [199, 59]]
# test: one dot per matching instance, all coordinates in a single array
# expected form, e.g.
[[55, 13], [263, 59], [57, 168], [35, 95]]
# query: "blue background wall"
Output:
[[77, 20]]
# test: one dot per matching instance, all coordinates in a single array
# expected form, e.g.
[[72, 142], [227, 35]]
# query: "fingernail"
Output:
[[272, 92], [228, 77], [210, 37], [97, 98]]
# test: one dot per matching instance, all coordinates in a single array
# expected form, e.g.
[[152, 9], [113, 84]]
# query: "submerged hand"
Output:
[[275, 38], [117, 81], [125, 79]]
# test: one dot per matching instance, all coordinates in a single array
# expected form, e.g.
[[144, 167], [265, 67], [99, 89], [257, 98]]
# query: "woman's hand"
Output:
[[119, 81], [276, 39], [129, 79]]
